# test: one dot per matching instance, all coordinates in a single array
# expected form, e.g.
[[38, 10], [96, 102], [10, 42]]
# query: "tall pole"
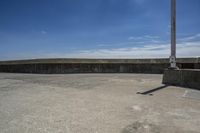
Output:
[[173, 35]]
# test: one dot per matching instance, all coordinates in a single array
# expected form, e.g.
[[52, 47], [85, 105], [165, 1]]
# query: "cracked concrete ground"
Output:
[[94, 103]]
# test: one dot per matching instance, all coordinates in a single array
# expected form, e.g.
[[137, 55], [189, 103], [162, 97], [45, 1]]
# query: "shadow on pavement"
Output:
[[149, 92]]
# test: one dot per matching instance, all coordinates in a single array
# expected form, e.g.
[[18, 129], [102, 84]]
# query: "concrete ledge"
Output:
[[100, 61], [183, 77], [62, 66]]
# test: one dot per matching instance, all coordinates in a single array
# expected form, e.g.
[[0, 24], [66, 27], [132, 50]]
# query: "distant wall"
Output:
[[62, 66]]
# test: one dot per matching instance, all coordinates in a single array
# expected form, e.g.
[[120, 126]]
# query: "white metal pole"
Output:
[[173, 35]]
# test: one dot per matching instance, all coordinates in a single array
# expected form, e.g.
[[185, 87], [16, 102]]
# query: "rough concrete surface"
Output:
[[67, 65], [94, 103], [182, 77]]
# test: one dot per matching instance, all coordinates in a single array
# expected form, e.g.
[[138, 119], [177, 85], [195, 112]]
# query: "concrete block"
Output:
[[183, 77]]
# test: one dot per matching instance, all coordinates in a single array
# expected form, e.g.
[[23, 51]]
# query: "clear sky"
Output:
[[96, 28]]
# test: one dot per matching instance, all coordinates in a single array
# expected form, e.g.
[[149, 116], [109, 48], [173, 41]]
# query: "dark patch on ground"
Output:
[[141, 127]]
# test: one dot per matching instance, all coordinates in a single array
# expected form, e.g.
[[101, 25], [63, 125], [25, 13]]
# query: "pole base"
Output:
[[173, 68]]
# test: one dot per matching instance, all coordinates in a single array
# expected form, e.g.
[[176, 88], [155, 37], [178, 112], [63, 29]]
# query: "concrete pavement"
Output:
[[94, 103]]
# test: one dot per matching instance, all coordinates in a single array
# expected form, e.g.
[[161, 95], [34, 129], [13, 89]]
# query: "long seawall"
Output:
[[64, 65]]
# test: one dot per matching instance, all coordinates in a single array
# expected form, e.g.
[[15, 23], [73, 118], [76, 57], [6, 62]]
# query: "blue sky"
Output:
[[96, 28]]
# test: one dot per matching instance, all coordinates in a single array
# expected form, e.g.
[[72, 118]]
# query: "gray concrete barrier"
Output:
[[61, 66], [182, 77]]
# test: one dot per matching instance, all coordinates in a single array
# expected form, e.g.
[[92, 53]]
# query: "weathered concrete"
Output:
[[97, 61], [59, 66], [182, 77], [94, 103]]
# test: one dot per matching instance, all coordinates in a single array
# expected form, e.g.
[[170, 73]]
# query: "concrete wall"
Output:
[[183, 77], [58, 66]]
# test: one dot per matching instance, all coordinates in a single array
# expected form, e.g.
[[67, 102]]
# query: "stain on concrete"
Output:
[[141, 127]]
